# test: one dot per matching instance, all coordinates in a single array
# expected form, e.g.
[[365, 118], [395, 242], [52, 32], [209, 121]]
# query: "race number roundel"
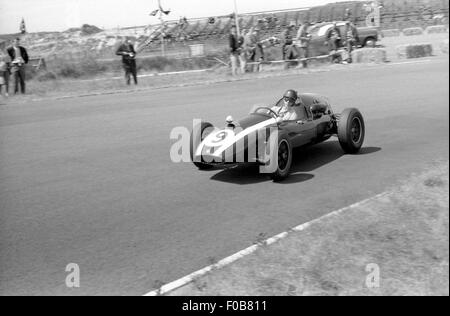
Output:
[[218, 138]]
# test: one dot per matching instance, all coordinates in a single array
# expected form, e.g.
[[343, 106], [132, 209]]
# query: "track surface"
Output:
[[90, 181]]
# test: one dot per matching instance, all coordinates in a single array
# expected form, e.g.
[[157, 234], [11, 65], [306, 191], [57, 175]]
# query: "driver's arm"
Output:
[[276, 109]]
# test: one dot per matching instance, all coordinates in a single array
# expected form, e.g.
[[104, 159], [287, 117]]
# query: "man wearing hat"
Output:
[[126, 50], [303, 39], [289, 50], [253, 47], [235, 43], [351, 38]]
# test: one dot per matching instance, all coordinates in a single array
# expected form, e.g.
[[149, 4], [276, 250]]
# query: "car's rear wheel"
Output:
[[283, 151], [194, 143], [351, 130]]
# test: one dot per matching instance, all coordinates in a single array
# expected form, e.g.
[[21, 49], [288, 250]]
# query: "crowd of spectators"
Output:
[[247, 49]]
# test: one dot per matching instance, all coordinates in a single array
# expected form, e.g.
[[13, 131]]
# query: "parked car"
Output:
[[318, 45]]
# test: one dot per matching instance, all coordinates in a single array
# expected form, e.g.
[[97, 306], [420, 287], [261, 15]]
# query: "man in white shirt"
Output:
[[302, 40], [19, 58]]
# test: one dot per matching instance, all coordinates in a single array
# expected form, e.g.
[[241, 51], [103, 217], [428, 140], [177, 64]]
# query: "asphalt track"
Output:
[[90, 181]]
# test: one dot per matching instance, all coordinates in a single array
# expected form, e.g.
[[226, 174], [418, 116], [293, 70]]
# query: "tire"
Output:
[[351, 130], [285, 162], [198, 164], [370, 42]]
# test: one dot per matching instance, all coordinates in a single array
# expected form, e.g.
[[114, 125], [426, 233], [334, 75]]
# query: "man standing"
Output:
[[334, 37], [334, 41], [19, 57], [351, 37], [253, 47], [126, 50], [287, 38], [303, 42], [235, 45], [5, 65]]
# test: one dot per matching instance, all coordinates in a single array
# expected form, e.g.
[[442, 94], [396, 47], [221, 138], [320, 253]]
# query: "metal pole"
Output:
[[377, 13], [236, 18], [163, 51]]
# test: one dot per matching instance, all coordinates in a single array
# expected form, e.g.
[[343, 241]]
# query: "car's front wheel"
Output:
[[195, 141], [283, 150]]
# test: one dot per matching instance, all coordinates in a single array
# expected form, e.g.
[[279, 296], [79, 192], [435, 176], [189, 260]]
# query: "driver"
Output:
[[285, 107]]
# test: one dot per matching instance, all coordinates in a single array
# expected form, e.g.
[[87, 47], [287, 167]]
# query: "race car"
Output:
[[265, 138]]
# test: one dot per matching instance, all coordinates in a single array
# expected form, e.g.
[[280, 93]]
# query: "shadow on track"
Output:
[[305, 161]]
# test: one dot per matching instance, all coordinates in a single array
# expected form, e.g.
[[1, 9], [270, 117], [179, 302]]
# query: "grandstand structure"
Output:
[[213, 32]]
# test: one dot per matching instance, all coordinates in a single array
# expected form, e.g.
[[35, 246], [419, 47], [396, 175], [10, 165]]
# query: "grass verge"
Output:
[[116, 83], [405, 232]]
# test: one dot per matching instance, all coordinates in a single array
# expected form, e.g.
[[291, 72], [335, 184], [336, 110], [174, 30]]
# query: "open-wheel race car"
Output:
[[268, 135]]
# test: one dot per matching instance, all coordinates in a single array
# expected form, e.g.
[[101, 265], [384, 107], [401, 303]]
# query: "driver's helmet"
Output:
[[290, 97]]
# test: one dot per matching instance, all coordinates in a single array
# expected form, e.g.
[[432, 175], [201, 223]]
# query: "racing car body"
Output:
[[263, 137]]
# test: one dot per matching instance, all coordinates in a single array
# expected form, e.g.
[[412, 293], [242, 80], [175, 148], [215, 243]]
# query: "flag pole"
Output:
[[236, 18]]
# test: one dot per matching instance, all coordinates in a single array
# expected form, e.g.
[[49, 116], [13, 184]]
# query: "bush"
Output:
[[158, 63], [69, 71], [31, 72], [71, 68], [164, 64], [273, 53], [87, 29], [92, 66], [46, 76]]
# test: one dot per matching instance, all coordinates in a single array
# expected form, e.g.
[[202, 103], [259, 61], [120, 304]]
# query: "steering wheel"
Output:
[[267, 109]]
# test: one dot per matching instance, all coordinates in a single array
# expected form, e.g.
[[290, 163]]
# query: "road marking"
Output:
[[169, 287]]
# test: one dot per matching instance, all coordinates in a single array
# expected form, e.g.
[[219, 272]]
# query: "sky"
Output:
[[59, 15]]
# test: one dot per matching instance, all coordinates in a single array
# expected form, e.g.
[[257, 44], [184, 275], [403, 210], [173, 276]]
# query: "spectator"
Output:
[[287, 39], [334, 37], [347, 15], [126, 50], [5, 63], [289, 50], [19, 57], [351, 38], [303, 39], [253, 47], [235, 45], [334, 42], [243, 42]]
